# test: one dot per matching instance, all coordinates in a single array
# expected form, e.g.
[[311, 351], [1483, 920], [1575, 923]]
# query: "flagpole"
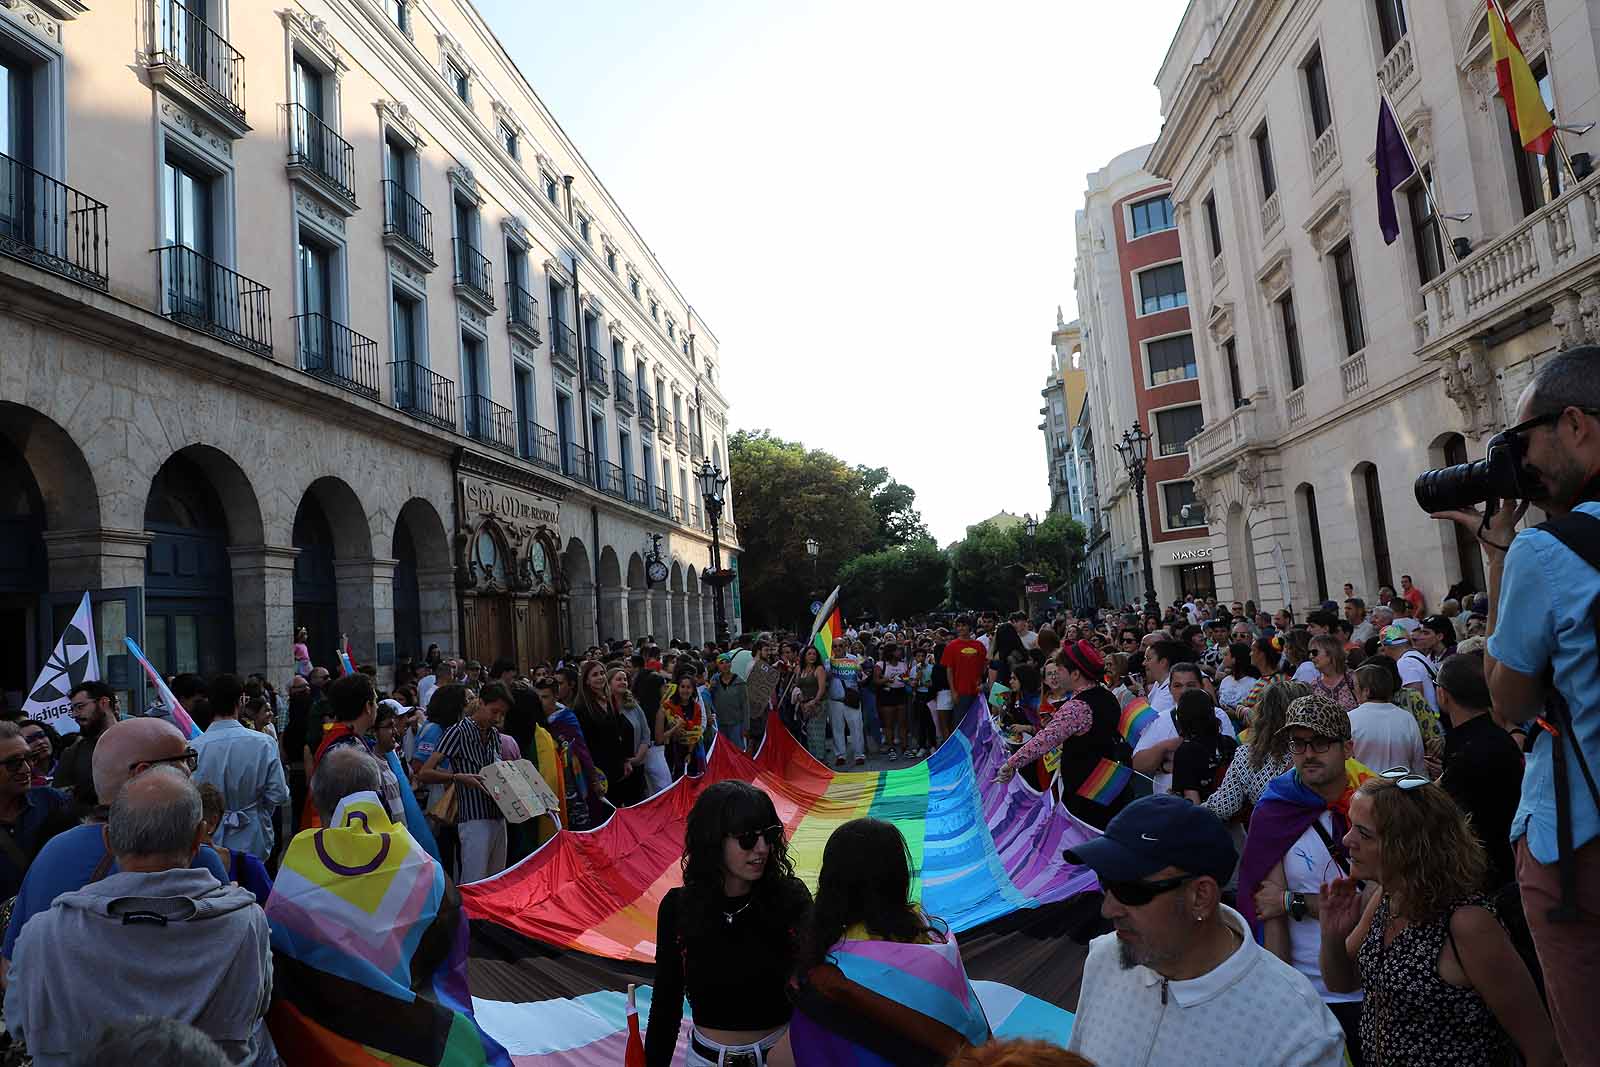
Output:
[[1427, 184], [1566, 157]]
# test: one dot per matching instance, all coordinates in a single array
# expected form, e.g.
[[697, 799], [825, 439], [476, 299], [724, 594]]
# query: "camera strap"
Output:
[[1580, 532]]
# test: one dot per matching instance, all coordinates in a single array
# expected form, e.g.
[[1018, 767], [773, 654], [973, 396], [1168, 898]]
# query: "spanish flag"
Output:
[[1530, 119]]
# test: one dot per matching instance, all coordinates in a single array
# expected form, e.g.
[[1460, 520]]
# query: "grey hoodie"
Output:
[[102, 955]]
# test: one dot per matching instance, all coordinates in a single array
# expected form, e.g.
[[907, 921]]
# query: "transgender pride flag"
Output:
[[166, 705]]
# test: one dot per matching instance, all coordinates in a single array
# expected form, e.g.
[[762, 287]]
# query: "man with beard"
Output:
[[1173, 981], [94, 709]]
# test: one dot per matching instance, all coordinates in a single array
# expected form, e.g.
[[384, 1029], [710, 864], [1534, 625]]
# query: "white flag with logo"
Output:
[[74, 660]]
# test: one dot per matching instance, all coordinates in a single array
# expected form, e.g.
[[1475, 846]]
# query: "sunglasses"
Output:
[[17, 764], [748, 839], [1404, 778], [1138, 893], [1542, 420]]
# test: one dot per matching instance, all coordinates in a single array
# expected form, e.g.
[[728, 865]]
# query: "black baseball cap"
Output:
[[1162, 830]]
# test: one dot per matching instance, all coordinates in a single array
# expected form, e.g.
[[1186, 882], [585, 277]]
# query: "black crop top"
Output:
[[736, 977]]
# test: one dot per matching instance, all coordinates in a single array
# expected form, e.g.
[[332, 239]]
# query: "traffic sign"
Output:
[[816, 606]]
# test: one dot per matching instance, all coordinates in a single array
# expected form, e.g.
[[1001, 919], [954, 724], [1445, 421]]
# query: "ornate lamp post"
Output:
[[712, 483], [1135, 452]]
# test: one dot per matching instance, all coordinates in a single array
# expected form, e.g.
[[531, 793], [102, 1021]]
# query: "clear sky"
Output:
[[869, 201]]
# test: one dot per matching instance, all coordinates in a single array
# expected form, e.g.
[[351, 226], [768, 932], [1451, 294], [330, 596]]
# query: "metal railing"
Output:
[[677, 508], [595, 368], [577, 462], [474, 271], [202, 293], [314, 145], [419, 391], [697, 444], [484, 420], [622, 383], [522, 309], [199, 54], [613, 481], [563, 343], [647, 410], [335, 353], [52, 225], [681, 435], [694, 517], [407, 218], [664, 421], [538, 444], [639, 492]]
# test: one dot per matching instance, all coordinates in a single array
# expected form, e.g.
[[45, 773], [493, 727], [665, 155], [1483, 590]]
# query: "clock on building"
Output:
[[656, 571]]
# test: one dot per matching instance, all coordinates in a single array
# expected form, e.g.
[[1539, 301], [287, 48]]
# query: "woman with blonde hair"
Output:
[[648, 763], [1117, 678], [1443, 982], [1261, 760], [1334, 679]]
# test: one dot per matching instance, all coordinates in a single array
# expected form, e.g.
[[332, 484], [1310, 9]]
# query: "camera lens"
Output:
[[1464, 485]]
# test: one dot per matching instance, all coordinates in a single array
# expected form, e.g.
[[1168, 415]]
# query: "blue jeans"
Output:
[[733, 731], [869, 716]]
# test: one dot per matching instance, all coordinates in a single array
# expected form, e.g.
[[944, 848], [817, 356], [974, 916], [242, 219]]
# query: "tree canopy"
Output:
[[987, 566]]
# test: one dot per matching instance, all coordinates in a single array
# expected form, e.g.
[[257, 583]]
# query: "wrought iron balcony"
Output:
[[407, 223], [681, 435], [678, 514], [612, 480], [315, 149], [337, 354], [52, 225], [697, 444], [474, 275], [647, 411], [664, 423], [199, 60], [420, 392], [484, 420], [538, 444], [638, 491], [694, 517], [577, 462], [622, 391], [595, 371], [660, 504], [563, 346], [203, 294], [522, 313]]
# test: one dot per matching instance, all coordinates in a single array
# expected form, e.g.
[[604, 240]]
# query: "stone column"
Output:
[[692, 603], [680, 615], [660, 602], [366, 610], [638, 614], [613, 614], [96, 559], [263, 609], [581, 606], [436, 595]]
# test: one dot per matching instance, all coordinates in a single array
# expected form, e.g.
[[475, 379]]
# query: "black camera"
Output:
[[1501, 474]]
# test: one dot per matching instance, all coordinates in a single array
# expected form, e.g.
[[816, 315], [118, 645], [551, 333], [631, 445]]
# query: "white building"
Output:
[[1337, 368], [399, 366], [1064, 394]]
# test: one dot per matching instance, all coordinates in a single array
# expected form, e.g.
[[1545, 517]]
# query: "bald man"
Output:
[[73, 859]]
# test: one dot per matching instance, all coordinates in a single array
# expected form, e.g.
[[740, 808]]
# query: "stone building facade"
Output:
[[357, 343], [1336, 368], [1063, 395]]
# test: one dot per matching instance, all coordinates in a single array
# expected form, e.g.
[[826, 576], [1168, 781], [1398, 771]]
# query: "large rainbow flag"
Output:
[[558, 938]]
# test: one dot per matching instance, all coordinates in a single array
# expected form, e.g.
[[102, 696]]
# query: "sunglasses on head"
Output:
[[1404, 778], [748, 839], [1137, 893]]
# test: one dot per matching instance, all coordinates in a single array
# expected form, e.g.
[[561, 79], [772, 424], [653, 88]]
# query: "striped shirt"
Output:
[[470, 750]]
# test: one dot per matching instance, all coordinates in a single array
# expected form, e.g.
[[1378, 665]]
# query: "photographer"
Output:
[[1543, 597]]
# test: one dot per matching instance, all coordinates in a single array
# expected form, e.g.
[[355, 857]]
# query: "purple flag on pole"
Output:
[[1394, 166]]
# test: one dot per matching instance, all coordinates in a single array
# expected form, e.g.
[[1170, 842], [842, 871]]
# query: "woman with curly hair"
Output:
[[681, 723], [1263, 759], [1443, 983], [864, 991], [728, 938]]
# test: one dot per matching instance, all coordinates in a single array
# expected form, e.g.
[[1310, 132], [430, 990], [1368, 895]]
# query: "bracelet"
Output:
[[1287, 898]]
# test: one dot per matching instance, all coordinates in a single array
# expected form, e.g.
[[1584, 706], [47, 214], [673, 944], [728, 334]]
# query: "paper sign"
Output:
[[759, 687], [520, 790]]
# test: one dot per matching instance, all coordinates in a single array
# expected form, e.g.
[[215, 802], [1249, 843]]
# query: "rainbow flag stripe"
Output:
[[1106, 782], [830, 632], [1137, 714]]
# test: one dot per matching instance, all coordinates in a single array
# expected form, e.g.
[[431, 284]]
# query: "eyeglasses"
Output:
[[1319, 745], [1404, 778], [17, 764], [748, 839], [1138, 893], [82, 705], [189, 760]]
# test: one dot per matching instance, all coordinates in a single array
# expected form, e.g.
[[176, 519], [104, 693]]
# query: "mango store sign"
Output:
[[1181, 556]]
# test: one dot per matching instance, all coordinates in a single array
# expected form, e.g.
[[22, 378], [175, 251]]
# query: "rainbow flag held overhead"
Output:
[[1106, 782], [1530, 117], [1137, 714]]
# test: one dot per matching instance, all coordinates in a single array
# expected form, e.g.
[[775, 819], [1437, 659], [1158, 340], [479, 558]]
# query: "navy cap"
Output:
[[1162, 830]]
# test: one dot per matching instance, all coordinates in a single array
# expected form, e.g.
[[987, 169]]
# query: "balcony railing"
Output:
[[474, 274], [203, 294], [563, 346], [522, 311], [1297, 405], [577, 462], [484, 420], [406, 218], [1399, 68], [613, 482], [1353, 373], [199, 56], [1324, 153], [677, 509], [52, 225], [681, 435], [595, 371], [659, 503], [697, 444], [622, 390], [664, 423], [694, 517], [1244, 427], [729, 530], [638, 492], [1271, 214], [314, 146], [538, 444], [647, 410], [335, 353], [420, 392]]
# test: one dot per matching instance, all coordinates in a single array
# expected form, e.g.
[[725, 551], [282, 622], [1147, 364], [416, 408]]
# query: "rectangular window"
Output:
[[1175, 496], [399, 13], [552, 192], [1263, 148], [458, 81], [1425, 231], [611, 260], [583, 227], [187, 215], [655, 311], [474, 376], [1291, 340], [17, 117], [408, 346], [1150, 216], [625, 460], [1213, 227], [672, 330], [569, 461], [1314, 524], [523, 408], [1391, 23], [1174, 427], [1162, 288], [1344, 271], [1171, 359], [517, 265], [633, 286], [597, 440], [1539, 178], [1230, 351], [1317, 94], [1377, 528], [648, 462], [316, 277], [508, 139]]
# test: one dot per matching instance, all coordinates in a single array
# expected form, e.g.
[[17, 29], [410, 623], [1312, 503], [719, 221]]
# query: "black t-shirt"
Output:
[[1483, 772], [1196, 762]]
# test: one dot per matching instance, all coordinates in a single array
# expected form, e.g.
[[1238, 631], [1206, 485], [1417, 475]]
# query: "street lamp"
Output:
[[712, 483], [812, 548], [1030, 525], [1135, 452]]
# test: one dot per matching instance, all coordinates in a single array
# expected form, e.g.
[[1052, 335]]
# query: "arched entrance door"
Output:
[[24, 572], [188, 584], [316, 584], [407, 596]]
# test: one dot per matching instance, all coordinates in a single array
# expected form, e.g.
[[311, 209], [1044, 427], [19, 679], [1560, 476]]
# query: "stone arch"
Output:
[[424, 581], [64, 481], [613, 597], [582, 617], [692, 606], [638, 599], [1371, 526], [1308, 531], [1242, 555], [339, 589]]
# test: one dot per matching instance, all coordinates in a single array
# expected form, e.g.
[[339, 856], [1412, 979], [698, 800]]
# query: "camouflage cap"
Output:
[[1320, 714]]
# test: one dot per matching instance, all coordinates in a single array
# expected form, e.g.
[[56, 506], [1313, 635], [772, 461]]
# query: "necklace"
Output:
[[727, 916]]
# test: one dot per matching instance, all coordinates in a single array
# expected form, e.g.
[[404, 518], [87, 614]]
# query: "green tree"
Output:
[[899, 522], [897, 582], [987, 566]]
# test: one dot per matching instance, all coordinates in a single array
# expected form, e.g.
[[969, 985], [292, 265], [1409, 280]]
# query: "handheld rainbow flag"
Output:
[[1106, 782], [829, 627], [1530, 118], [1137, 714], [346, 660], [166, 705]]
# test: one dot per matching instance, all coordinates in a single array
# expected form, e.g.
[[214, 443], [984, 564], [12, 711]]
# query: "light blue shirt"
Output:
[[246, 767], [1546, 592]]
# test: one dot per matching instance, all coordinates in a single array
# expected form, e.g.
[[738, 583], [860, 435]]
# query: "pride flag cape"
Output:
[[558, 938], [370, 950], [1137, 714], [166, 705]]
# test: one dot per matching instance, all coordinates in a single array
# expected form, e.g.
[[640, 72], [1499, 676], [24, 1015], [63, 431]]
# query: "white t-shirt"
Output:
[[1306, 673], [1414, 667], [1160, 697], [1385, 736], [1030, 640], [983, 639], [1306, 867], [1164, 729], [1130, 1015]]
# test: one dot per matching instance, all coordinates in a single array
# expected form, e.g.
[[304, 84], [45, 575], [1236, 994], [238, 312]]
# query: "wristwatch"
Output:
[[1297, 907]]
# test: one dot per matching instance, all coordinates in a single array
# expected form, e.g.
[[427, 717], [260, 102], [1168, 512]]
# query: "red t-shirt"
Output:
[[965, 662], [1415, 599]]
